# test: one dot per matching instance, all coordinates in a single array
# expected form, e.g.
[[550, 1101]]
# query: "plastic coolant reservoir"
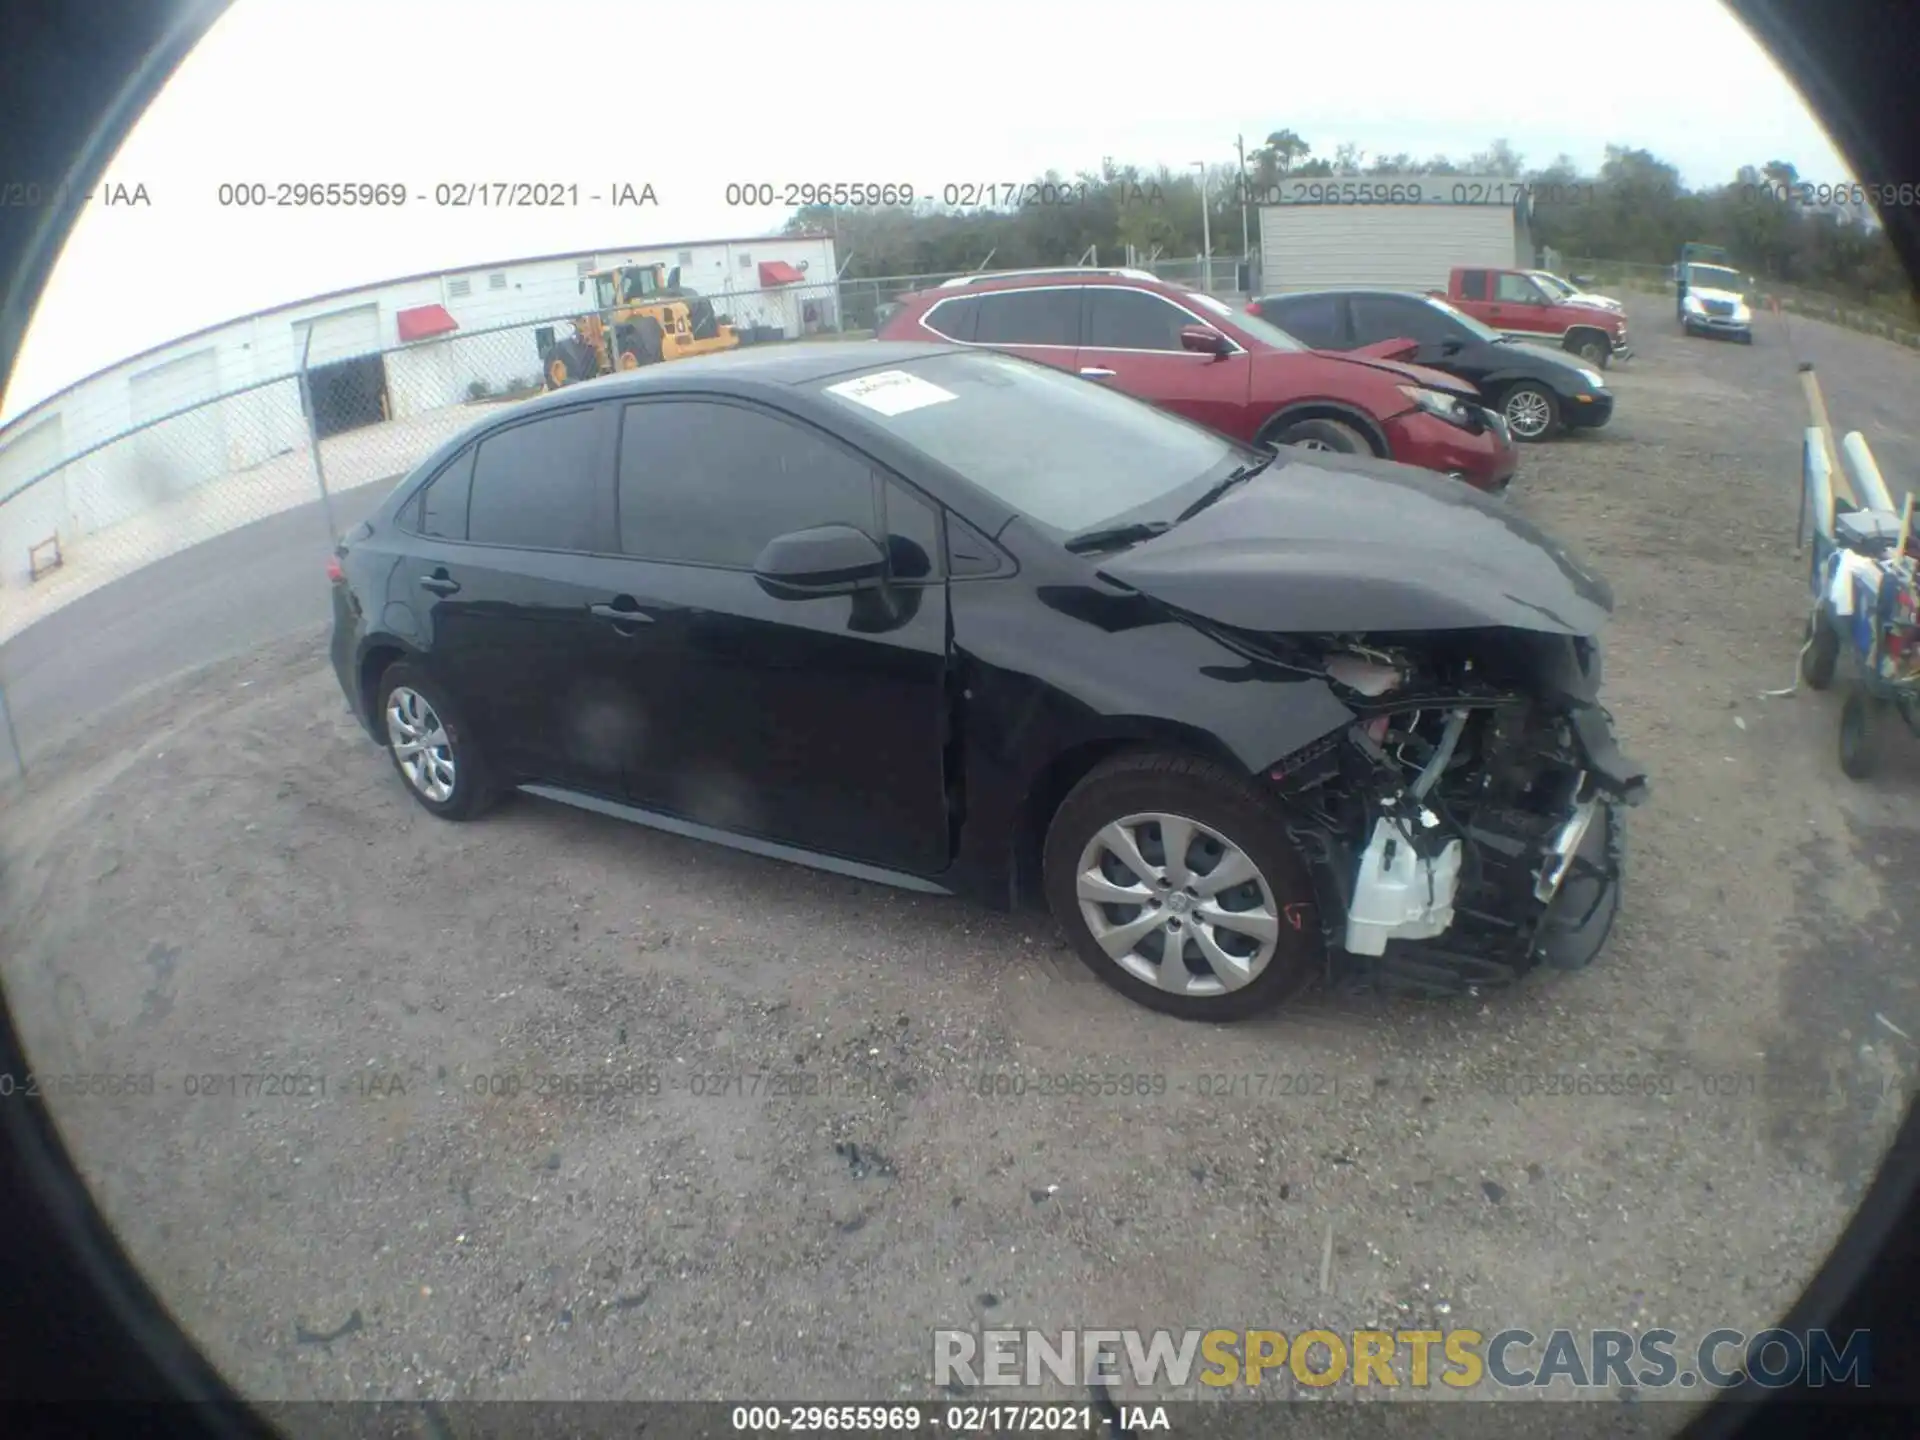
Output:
[[1399, 896]]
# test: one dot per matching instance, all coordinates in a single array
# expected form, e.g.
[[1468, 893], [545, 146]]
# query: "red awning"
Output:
[[423, 322], [779, 272]]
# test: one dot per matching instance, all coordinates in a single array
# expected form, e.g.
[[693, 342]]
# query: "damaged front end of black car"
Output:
[[1463, 827]]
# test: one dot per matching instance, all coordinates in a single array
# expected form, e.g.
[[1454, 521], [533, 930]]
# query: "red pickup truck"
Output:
[[1514, 303]]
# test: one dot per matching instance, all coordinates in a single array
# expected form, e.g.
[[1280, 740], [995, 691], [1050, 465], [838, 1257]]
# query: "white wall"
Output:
[[1309, 247]]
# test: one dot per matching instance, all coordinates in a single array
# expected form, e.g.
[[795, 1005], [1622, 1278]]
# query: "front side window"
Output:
[[1133, 320], [534, 484], [707, 483], [1517, 290]]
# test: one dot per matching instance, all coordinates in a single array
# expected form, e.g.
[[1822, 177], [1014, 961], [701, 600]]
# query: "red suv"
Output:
[[1196, 356]]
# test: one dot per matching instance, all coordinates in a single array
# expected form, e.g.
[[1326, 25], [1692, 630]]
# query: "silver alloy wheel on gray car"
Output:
[[420, 744], [1158, 892], [1528, 413]]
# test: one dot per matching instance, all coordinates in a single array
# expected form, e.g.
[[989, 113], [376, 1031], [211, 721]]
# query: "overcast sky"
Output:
[[689, 99]]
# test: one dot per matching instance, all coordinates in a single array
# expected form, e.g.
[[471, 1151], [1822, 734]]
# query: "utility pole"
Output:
[[1206, 230]]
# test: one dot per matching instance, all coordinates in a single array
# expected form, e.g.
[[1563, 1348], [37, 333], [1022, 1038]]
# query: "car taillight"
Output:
[[335, 574]]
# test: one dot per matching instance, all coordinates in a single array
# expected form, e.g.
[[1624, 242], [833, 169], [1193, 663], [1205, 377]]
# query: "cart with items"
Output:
[[1864, 625]]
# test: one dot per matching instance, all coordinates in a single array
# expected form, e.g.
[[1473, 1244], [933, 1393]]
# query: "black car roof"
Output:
[[744, 370]]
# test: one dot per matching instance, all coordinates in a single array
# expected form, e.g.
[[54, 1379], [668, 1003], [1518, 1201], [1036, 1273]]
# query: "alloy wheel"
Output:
[[1528, 413], [420, 744], [1177, 904], [1312, 445]]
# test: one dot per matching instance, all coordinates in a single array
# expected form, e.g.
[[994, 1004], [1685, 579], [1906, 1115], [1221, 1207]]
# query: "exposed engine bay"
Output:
[[1463, 829]]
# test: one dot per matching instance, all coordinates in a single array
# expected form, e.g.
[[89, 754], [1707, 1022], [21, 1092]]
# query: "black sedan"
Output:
[[1540, 391], [955, 621]]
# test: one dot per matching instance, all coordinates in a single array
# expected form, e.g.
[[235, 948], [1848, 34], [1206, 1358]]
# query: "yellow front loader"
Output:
[[641, 316]]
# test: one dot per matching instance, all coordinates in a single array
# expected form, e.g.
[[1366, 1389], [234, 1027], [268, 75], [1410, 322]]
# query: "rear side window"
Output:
[[1314, 319], [534, 484], [954, 318], [1473, 284], [443, 506], [1028, 317], [703, 483], [913, 534], [1133, 320]]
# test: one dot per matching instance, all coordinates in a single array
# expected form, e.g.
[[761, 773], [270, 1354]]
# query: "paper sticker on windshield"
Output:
[[891, 392]]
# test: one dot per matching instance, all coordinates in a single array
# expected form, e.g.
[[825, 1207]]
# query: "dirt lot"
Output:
[[223, 876]]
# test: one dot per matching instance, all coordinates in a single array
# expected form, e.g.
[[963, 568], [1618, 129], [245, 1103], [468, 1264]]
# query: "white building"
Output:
[[383, 352], [1339, 230]]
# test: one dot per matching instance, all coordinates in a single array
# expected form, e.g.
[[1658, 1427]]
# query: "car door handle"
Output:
[[1094, 372], [621, 614], [440, 583]]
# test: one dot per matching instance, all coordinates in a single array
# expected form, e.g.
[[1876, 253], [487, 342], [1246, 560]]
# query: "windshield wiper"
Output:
[[1226, 483], [1108, 537]]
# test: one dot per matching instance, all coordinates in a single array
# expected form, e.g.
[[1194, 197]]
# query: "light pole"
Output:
[[1206, 231], [1246, 240]]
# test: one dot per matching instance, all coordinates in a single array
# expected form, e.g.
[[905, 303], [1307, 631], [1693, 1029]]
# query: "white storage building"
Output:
[[1400, 232]]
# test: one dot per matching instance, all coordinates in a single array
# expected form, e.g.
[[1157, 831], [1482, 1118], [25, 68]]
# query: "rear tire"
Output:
[[430, 745], [1334, 435], [1531, 410], [1241, 948], [1860, 728]]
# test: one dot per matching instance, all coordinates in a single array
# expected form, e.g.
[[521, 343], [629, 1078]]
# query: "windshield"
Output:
[[1715, 277], [1065, 452], [1554, 283], [1478, 330], [1265, 331], [603, 291]]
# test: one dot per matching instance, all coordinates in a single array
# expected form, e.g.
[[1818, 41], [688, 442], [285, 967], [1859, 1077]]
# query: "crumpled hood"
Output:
[[1322, 543], [1410, 374]]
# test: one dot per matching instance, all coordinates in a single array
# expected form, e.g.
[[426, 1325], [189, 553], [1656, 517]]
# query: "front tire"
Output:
[[1595, 350], [1822, 653], [430, 747], [1332, 435], [1177, 886], [1531, 410]]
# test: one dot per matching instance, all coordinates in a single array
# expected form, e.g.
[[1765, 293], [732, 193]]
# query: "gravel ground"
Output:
[[223, 876]]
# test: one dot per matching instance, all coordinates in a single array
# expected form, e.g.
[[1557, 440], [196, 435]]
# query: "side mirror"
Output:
[[826, 560], [1204, 340]]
